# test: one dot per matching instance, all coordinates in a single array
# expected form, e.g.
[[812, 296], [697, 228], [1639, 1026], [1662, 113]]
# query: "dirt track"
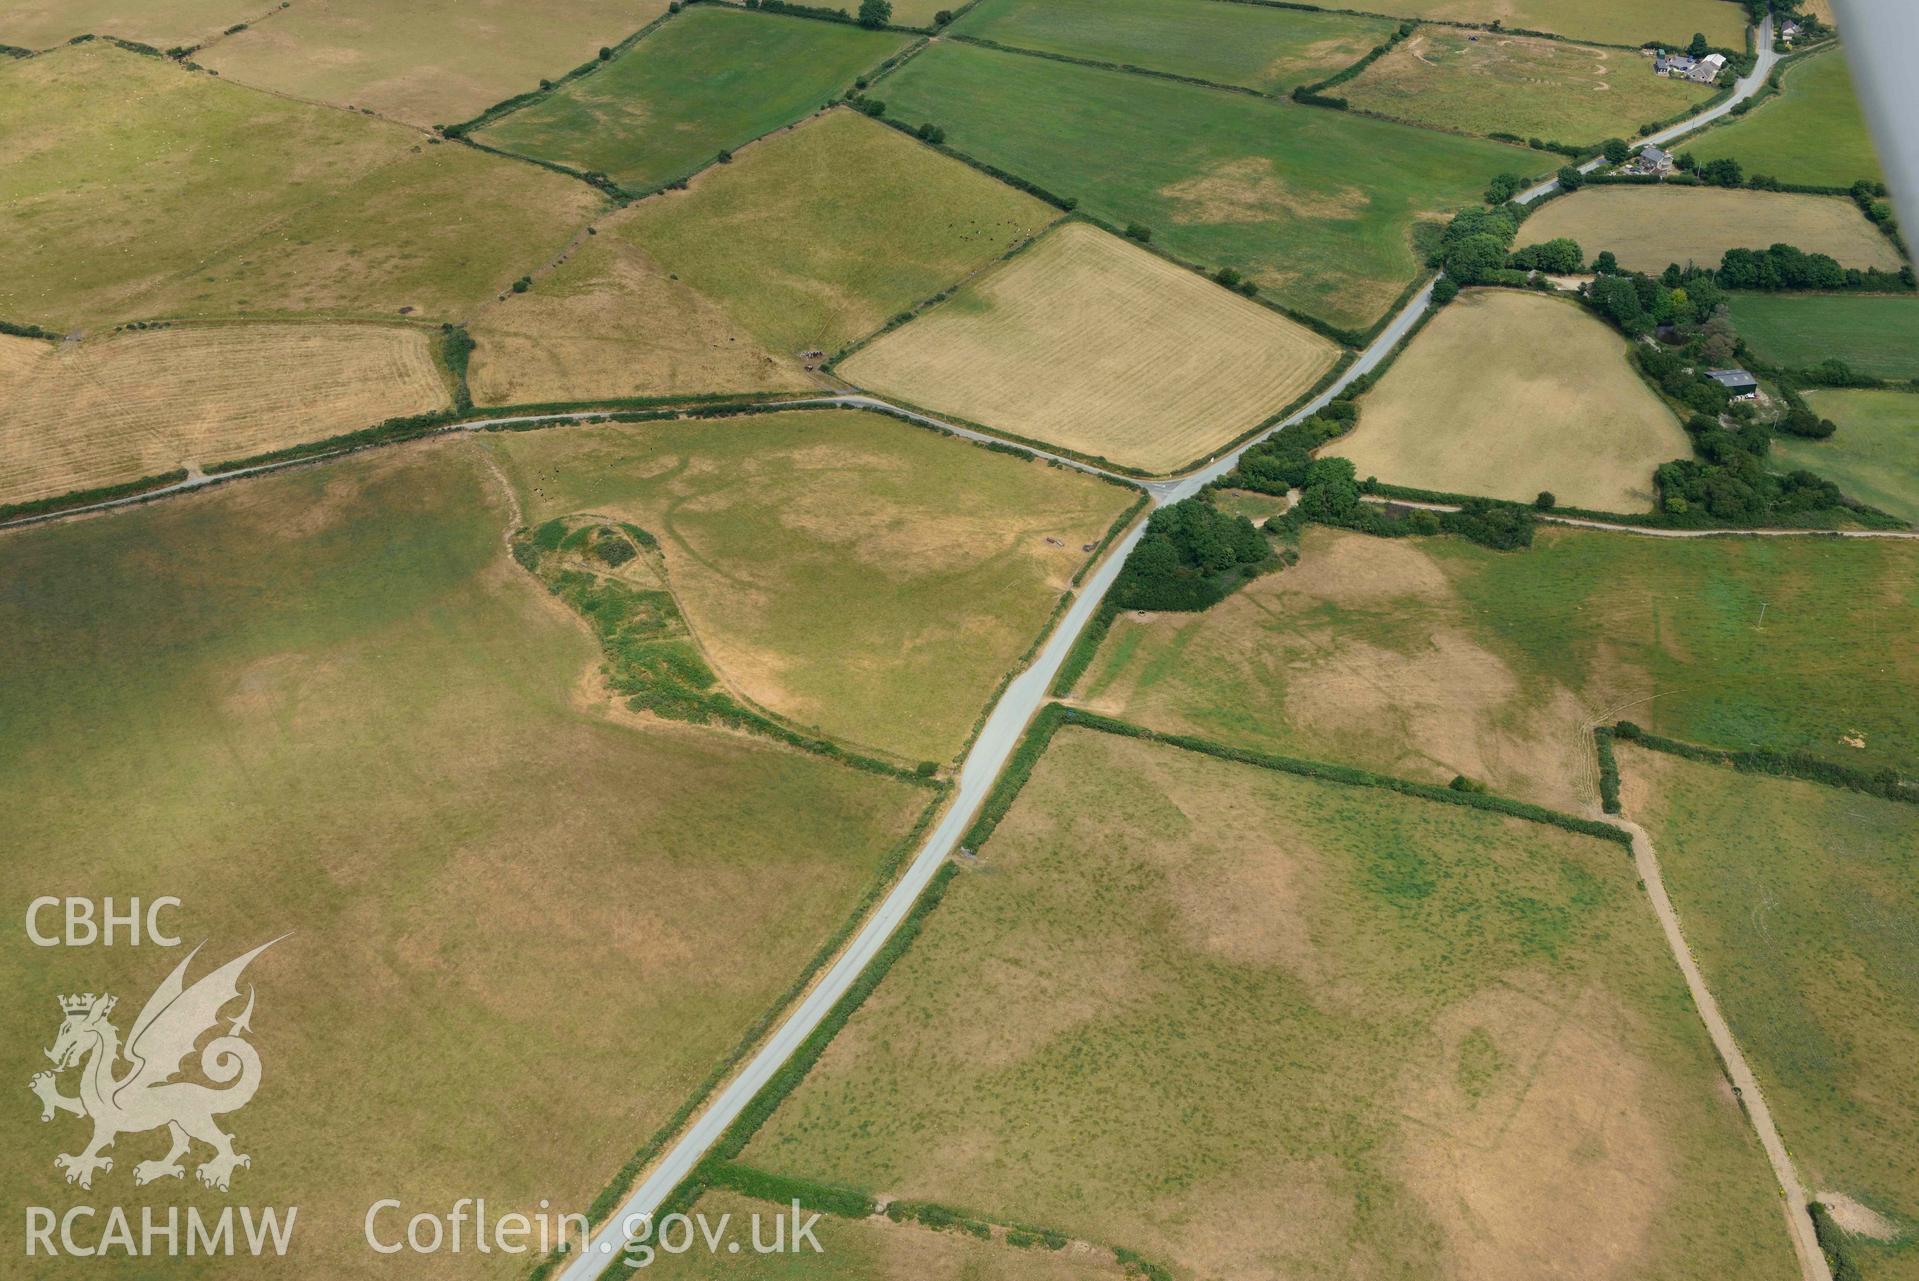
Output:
[[1812, 1261]]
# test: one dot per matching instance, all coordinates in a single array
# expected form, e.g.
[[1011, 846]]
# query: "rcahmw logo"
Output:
[[152, 1092]]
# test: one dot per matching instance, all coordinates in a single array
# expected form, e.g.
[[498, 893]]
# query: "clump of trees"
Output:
[[875, 14], [1191, 556], [1474, 245], [1560, 255], [1790, 267]]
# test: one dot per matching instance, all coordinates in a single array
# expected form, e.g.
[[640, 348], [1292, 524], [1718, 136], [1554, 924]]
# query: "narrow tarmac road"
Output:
[[984, 763]]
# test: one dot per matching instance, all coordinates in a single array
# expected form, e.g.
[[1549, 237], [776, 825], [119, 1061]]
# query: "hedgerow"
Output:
[[408, 427], [1352, 776], [1608, 769], [88, 497], [1886, 783], [763, 1185]]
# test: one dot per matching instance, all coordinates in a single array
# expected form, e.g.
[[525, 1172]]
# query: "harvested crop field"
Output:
[[1813, 132], [131, 188], [818, 235], [710, 79], [1873, 457], [1316, 207], [1875, 334], [1620, 22], [1649, 228], [1255, 46], [862, 578], [426, 62], [41, 24], [136, 403], [1489, 83], [872, 1249], [1507, 394], [1101, 348], [1800, 907], [327, 702], [611, 323], [1452, 1042], [1428, 658]]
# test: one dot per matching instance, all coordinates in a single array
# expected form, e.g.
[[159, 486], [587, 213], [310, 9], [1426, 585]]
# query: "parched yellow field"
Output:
[[426, 61], [79, 415], [132, 189], [1506, 394], [610, 322], [1648, 228], [1534, 88], [41, 24], [1099, 347]]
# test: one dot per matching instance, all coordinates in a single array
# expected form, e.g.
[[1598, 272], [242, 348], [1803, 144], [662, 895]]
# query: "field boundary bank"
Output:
[[768, 1187], [1323, 771], [1887, 783]]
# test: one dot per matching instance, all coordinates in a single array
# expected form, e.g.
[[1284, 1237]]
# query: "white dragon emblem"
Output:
[[146, 1096]]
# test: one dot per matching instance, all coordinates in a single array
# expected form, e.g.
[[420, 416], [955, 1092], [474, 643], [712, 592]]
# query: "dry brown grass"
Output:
[[609, 322], [427, 61], [1094, 345], [40, 24], [1281, 665], [1507, 394], [1325, 1023], [134, 189], [131, 404], [1649, 227]]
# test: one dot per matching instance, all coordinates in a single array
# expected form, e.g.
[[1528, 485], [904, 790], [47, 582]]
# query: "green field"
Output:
[[1432, 658], [872, 1249], [1873, 457], [1875, 334], [849, 572], [1621, 22], [1237, 44], [817, 237], [711, 79], [1812, 132], [1532, 88], [327, 702], [1178, 990], [1800, 906], [132, 188], [1316, 206]]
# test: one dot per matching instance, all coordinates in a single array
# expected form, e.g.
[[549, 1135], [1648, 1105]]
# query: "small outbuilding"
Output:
[[1741, 384]]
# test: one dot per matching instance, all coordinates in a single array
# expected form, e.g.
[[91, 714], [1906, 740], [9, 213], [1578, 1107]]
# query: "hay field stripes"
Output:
[[1018, 333], [81, 415]]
